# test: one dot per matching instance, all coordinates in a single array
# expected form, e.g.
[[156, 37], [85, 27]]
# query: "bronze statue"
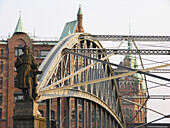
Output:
[[27, 69]]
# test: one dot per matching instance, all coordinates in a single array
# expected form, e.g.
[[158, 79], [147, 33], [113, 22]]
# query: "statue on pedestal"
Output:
[[27, 70], [26, 111]]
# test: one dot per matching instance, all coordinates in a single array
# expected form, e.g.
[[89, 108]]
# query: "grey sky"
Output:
[[48, 17]]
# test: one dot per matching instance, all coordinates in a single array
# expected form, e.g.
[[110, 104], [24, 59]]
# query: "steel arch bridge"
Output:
[[75, 78]]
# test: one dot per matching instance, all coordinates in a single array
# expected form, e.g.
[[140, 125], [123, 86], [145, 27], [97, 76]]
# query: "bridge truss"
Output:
[[127, 37], [85, 82], [65, 77]]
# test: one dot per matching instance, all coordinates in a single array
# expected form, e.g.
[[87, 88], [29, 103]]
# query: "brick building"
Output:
[[10, 48], [132, 86]]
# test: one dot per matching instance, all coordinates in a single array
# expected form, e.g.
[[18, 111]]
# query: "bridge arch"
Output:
[[60, 70]]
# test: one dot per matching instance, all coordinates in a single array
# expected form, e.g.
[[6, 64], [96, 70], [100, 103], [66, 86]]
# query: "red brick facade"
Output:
[[8, 58], [132, 86]]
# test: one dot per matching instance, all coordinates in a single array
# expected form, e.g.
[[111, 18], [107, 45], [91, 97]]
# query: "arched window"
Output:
[[1, 82], [128, 85], [0, 113], [1, 66], [141, 116], [2, 52], [124, 84], [1, 98], [127, 114]]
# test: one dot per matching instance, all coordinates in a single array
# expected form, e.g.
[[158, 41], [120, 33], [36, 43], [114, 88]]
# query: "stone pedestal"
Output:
[[26, 115]]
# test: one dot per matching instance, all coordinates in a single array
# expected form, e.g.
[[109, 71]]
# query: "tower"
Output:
[[73, 26], [19, 39], [80, 20], [130, 87]]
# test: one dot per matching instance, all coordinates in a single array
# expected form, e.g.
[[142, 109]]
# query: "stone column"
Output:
[[27, 116]]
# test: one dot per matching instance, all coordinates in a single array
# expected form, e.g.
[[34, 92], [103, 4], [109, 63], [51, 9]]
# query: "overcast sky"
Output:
[[48, 17]]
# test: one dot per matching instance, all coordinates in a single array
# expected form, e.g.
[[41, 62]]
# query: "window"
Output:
[[1, 66], [0, 113], [52, 115], [127, 114], [92, 115], [1, 82], [17, 96], [137, 115], [128, 85], [125, 84], [18, 51], [141, 116], [73, 115], [2, 52], [43, 53], [133, 86], [79, 102], [140, 85], [36, 53], [131, 113], [0, 98], [15, 82]]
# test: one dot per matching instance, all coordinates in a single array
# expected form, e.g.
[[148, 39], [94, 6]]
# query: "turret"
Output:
[[80, 20]]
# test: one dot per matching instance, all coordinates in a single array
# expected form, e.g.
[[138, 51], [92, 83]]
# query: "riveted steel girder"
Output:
[[125, 51], [129, 37]]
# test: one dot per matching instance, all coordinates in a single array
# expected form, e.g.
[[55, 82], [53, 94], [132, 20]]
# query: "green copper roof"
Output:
[[68, 32], [140, 78], [20, 27], [69, 28], [80, 11]]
